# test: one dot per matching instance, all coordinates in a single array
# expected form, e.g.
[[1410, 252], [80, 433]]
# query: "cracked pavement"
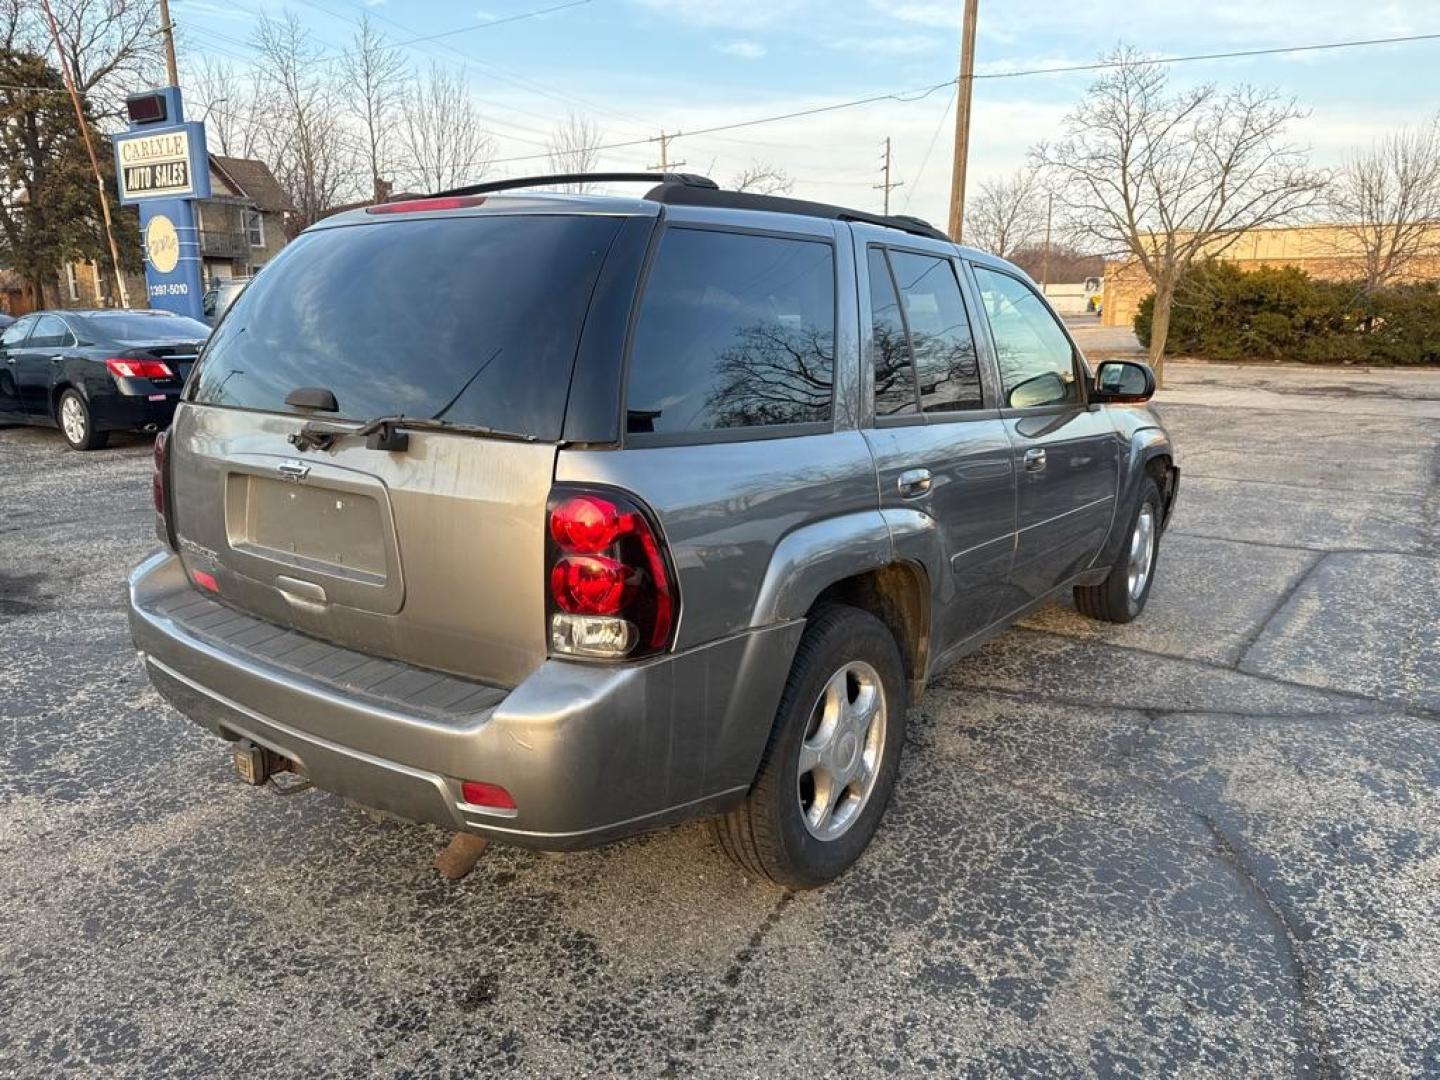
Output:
[[1205, 842]]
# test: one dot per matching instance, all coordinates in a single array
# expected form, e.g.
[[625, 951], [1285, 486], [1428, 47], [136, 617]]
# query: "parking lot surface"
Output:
[[1207, 841]]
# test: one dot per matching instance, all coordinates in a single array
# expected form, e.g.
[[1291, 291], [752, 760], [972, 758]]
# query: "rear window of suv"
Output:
[[735, 331], [470, 320]]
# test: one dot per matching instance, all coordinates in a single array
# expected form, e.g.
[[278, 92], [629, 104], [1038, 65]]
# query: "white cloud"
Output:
[[889, 44], [735, 14], [746, 50]]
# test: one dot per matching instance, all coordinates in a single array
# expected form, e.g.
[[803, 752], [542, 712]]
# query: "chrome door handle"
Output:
[[1034, 460], [914, 482]]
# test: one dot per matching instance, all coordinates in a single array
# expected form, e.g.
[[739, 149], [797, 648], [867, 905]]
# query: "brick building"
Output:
[[1331, 252]]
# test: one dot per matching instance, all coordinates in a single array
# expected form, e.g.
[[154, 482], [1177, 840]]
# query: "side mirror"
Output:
[[1120, 381]]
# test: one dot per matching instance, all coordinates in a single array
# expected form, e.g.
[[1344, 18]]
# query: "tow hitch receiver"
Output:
[[255, 764]]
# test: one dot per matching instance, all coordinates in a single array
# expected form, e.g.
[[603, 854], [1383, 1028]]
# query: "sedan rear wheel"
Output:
[[77, 425]]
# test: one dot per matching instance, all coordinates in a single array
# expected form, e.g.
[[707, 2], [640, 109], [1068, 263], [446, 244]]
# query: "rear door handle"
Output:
[[914, 482], [1034, 460]]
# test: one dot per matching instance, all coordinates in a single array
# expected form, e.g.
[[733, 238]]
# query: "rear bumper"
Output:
[[134, 408], [590, 753]]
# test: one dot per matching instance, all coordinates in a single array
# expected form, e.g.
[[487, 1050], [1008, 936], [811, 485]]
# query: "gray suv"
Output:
[[556, 518]]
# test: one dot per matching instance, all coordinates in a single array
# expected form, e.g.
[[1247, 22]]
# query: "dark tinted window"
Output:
[[939, 332], [1037, 363], [124, 326], [50, 333], [473, 320], [894, 375], [734, 331]]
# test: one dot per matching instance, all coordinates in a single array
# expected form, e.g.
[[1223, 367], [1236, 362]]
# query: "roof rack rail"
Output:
[[780, 204], [690, 189], [664, 178]]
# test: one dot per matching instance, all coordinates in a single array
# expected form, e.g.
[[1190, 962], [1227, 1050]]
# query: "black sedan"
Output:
[[92, 372]]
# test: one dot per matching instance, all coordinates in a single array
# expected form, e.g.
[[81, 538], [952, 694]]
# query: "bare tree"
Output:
[[1169, 178], [574, 147], [111, 46], [232, 105], [763, 178], [442, 132], [376, 77], [1006, 214], [307, 149], [1388, 199]]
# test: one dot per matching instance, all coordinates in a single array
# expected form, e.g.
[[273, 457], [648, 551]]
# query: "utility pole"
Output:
[[665, 163], [962, 121], [167, 32], [66, 75], [1045, 259], [887, 185]]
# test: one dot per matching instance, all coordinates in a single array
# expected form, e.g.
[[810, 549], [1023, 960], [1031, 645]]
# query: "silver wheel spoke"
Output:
[[809, 758]]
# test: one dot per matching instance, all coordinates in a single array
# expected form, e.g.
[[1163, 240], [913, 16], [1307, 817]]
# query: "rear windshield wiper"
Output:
[[384, 432]]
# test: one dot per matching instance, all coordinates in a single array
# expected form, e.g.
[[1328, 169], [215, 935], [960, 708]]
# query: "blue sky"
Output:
[[635, 66]]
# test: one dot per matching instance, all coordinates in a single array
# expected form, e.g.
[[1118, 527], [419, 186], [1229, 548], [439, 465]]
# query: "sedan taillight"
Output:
[[123, 368], [611, 591]]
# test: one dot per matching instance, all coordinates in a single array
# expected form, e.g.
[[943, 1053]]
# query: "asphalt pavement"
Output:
[[1207, 842]]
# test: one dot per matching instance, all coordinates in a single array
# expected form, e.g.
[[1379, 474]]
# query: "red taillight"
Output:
[[205, 581], [406, 206], [124, 368], [159, 493], [610, 584], [494, 796], [157, 475], [590, 584], [585, 523]]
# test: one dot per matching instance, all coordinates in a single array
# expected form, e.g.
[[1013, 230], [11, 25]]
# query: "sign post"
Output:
[[162, 166]]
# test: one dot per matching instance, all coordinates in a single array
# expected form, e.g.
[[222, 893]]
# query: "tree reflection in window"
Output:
[[894, 376], [736, 330], [773, 375], [939, 332]]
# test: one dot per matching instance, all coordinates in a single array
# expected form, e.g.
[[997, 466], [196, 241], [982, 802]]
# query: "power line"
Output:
[[920, 93], [934, 138], [1104, 64]]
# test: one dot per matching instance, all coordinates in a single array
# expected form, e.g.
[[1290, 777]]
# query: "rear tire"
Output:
[[829, 767], [1121, 597], [76, 423]]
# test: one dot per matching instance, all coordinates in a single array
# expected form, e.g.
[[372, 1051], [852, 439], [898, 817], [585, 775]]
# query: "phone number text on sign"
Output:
[[175, 288]]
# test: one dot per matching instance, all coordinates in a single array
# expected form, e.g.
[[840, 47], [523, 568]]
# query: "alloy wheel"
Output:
[[1142, 552], [72, 419], [841, 752]]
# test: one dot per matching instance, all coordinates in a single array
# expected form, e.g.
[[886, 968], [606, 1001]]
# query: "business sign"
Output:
[[162, 166], [174, 271], [162, 163]]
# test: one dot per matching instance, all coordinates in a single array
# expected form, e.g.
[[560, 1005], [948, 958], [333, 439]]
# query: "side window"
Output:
[[735, 331], [50, 332], [894, 375], [940, 335], [1037, 363], [15, 332]]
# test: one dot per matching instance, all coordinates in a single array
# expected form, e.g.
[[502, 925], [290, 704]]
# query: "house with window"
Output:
[[242, 224], [241, 227]]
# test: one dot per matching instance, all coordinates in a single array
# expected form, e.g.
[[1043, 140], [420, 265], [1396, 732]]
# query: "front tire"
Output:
[[1121, 597], [829, 768], [76, 423]]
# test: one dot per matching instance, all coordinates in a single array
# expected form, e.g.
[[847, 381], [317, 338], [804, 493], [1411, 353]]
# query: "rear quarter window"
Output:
[[735, 331], [472, 320]]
